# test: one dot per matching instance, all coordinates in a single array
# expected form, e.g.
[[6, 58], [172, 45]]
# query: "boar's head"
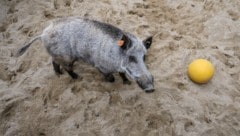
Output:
[[133, 55]]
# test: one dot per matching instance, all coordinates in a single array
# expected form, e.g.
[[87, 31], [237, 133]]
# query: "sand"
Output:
[[36, 102]]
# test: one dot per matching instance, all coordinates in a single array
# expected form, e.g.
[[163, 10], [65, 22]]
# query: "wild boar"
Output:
[[102, 45]]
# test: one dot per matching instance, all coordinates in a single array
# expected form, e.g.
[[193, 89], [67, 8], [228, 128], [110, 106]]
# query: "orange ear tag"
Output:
[[120, 43]]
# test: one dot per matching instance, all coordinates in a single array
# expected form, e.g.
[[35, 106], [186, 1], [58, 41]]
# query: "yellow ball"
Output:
[[201, 71]]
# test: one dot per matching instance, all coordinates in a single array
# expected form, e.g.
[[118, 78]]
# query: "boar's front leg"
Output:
[[124, 78]]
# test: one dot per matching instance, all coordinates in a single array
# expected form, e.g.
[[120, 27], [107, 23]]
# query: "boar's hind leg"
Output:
[[124, 78], [69, 68], [56, 68], [66, 63], [109, 77]]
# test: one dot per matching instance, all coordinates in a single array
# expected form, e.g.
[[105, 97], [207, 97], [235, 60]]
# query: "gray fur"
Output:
[[96, 43]]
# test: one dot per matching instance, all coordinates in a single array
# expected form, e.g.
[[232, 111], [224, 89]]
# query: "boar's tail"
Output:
[[26, 46]]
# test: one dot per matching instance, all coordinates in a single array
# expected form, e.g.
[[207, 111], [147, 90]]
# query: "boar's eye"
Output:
[[132, 59], [144, 57]]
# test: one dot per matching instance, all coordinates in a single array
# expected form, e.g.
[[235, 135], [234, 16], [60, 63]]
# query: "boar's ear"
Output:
[[125, 42], [148, 42]]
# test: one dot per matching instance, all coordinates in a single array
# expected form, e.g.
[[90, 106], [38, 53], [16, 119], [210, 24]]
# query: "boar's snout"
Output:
[[146, 83]]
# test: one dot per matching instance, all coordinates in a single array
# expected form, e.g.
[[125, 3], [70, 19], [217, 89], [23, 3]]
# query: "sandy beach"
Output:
[[34, 101]]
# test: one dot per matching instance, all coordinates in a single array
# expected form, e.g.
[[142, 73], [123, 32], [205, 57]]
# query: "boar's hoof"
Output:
[[127, 82], [73, 74], [58, 73], [149, 91], [110, 78]]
